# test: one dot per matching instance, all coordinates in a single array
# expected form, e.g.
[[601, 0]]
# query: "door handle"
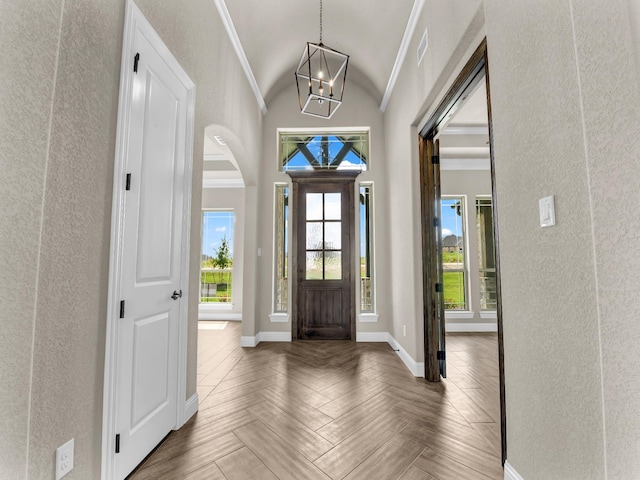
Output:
[[176, 294]]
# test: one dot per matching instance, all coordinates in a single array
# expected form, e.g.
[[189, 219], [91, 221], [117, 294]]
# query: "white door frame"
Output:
[[135, 20]]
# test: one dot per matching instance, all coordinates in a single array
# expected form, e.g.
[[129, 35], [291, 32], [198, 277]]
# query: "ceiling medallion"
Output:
[[320, 78]]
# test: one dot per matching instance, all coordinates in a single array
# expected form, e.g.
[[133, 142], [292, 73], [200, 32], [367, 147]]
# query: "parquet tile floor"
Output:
[[334, 410]]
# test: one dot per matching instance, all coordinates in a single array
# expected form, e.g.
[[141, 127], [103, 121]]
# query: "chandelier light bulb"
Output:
[[320, 74]]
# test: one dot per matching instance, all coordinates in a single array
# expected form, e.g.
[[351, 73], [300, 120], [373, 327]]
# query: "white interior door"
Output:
[[151, 262]]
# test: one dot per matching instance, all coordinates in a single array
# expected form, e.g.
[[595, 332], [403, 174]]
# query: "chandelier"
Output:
[[320, 78]]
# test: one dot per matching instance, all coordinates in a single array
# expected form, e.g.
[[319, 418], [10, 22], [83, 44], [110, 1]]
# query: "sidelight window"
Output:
[[366, 248], [486, 253], [281, 248]]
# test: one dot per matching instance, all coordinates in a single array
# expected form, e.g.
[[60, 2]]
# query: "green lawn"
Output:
[[222, 282], [454, 290]]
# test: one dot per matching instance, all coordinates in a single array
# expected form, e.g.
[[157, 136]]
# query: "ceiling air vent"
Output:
[[422, 47]]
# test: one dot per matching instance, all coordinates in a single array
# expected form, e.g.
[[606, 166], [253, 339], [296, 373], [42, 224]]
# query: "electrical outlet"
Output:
[[404, 330], [64, 459]]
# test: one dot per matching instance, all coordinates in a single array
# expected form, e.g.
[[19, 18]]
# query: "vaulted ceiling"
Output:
[[272, 35]]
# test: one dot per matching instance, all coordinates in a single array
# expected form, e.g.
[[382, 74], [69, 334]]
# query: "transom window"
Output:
[[308, 151]]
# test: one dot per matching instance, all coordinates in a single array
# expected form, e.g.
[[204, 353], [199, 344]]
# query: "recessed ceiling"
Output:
[[273, 34]]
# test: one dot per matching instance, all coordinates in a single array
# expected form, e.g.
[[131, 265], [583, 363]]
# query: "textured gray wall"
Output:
[[565, 99], [26, 88], [60, 77], [611, 115]]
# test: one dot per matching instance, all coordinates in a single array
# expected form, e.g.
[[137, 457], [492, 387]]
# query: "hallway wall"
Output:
[[455, 29], [59, 100], [571, 330]]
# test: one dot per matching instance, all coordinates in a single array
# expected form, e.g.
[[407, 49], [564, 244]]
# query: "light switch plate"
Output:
[[547, 211]]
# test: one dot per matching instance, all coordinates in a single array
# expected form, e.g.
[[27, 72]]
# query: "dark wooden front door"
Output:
[[323, 232]]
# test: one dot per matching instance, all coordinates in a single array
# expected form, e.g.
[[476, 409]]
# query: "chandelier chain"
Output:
[[320, 21]]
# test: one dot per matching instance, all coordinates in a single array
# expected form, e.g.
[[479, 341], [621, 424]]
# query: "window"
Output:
[[217, 256], [281, 253], [366, 249], [453, 253], [486, 253], [346, 151], [324, 236]]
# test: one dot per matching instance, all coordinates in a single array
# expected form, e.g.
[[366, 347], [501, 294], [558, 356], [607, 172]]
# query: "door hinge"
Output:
[[435, 159], [442, 355], [438, 288], [118, 443], [121, 308], [136, 59], [128, 185], [436, 222]]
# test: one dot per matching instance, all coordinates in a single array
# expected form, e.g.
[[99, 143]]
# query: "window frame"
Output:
[[229, 301], [465, 252], [281, 246], [371, 245], [489, 199]]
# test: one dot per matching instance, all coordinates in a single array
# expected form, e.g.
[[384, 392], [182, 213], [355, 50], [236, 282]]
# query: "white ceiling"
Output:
[[274, 33]]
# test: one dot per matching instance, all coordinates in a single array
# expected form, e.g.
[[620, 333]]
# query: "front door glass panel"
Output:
[[324, 236]]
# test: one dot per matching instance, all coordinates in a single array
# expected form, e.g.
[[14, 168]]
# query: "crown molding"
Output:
[[237, 46], [402, 51]]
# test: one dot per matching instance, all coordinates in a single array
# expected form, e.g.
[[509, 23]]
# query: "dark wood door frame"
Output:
[[323, 177], [476, 68]]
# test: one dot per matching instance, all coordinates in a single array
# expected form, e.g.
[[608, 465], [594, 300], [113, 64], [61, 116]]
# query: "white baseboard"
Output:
[[471, 327], [275, 336], [249, 341], [417, 368], [510, 473], [372, 337], [265, 337], [190, 407]]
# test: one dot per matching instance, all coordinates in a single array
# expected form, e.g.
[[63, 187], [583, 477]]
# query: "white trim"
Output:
[[489, 315], [465, 163], [402, 51], [458, 315], [250, 341], [510, 472], [372, 337], [214, 157], [279, 317], [235, 317], [134, 21], [275, 336], [417, 368], [191, 406], [265, 337], [368, 317], [242, 57], [222, 183], [466, 130], [471, 327]]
